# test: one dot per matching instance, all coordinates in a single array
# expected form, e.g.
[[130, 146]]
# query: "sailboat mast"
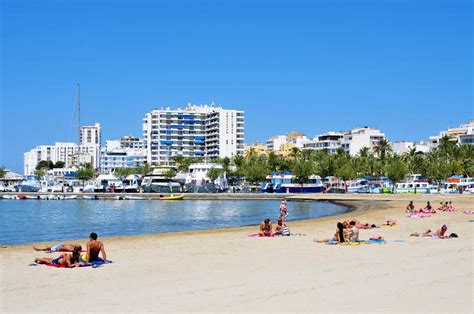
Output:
[[78, 104]]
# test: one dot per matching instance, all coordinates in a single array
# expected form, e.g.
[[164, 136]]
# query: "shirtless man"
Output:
[[266, 228], [67, 247], [65, 260], [94, 247]]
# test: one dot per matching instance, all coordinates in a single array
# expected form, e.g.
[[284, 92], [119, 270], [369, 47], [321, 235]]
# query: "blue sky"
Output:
[[311, 66]]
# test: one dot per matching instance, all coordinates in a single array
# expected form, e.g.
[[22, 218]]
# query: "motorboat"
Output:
[[172, 197], [357, 185], [31, 184], [285, 182], [157, 182], [197, 180], [414, 184], [334, 185]]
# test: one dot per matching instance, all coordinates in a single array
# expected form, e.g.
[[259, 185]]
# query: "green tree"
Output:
[[142, 169], [3, 172], [214, 173], [40, 172], [256, 172], [59, 164], [302, 170], [85, 173], [122, 173], [396, 170], [169, 174], [382, 149]]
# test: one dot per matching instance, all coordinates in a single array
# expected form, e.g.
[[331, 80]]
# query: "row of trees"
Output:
[[438, 164]]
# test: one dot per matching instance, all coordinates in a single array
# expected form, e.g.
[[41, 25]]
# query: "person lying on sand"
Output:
[[440, 233], [450, 207], [338, 236], [65, 260], [281, 228], [266, 228], [94, 247], [67, 247], [443, 206]]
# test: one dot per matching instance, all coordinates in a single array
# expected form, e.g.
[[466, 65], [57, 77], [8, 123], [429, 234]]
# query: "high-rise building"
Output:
[[194, 131], [90, 134], [358, 138], [127, 152]]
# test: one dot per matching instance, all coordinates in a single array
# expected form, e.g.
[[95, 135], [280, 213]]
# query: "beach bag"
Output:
[[285, 231]]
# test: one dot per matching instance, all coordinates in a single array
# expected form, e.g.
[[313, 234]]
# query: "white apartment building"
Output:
[[90, 134], [330, 141], [464, 134], [402, 147], [193, 131], [127, 152], [358, 138], [275, 142]]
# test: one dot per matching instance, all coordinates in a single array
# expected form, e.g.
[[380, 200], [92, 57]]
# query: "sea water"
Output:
[[27, 221]]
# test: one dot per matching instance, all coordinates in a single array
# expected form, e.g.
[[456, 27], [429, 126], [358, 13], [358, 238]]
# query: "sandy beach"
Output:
[[225, 270]]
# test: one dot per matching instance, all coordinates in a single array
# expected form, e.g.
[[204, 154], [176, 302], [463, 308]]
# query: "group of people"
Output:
[[281, 228], [94, 248], [346, 231], [447, 207], [428, 209]]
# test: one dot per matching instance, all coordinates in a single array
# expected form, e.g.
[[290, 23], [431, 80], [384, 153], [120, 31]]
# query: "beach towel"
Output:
[[93, 264], [469, 212], [472, 220], [256, 235], [419, 216], [359, 242]]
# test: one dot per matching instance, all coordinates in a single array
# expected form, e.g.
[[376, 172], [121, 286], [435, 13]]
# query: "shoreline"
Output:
[[354, 203], [224, 269]]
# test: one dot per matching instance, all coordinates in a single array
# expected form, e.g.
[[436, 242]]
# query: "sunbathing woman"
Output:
[[281, 228], [68, 247], [338, 236], [65, 260], [266, 228], [440, 233], [444, 206]]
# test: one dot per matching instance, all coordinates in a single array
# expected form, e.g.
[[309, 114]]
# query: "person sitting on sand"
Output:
[[283, 210], [428, 209], [94, 247], [450, 207], [410, 208], [440, 233], [65, 260], [444, 206], [67, 247], [338, 236], [282, 228], [266, 228], [354, 232]]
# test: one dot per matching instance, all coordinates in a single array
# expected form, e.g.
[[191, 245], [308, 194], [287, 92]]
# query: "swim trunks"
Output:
[[57, 247]]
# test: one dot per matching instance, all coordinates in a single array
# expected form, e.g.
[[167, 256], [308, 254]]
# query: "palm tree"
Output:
[[364, 152], [295, 152], [382, 148]]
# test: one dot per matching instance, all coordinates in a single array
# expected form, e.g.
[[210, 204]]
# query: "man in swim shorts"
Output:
[[94, 247], [65, 260], [68, 247]]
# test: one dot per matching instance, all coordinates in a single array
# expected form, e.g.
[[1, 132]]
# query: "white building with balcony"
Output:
[[358, 138], [330, 141], [127, 152], [274, 143], [193, 131]]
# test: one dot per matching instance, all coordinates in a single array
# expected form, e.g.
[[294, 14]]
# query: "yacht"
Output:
[[357, 186], [31, 184], [285, 182], [198, 181], [414, 184], [157, 182]]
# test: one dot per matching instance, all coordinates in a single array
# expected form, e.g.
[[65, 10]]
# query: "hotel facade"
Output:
[[193, 131]]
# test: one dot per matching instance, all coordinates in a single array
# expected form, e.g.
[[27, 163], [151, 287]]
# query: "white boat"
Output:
[[357, 185], [414, 184], [133, 198], [31, 184], [285, 183], [197, 176], [132, 183], [157, 182]]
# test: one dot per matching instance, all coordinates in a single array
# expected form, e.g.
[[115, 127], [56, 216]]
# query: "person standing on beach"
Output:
[[283, 210], [94, 247]]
